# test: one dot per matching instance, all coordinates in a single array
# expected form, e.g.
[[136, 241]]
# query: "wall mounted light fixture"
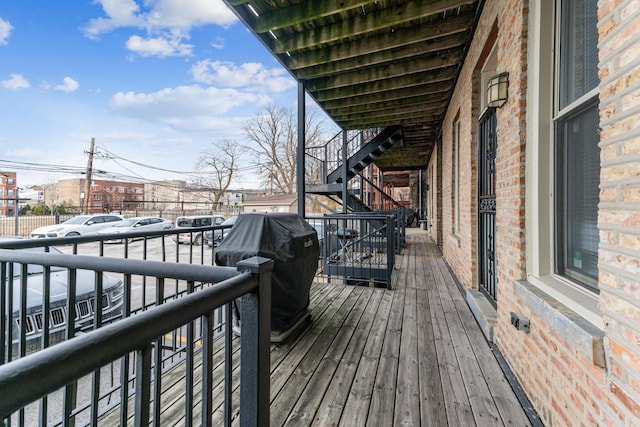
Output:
[[498, 90]]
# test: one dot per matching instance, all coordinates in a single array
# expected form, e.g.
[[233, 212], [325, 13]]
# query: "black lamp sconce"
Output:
[[498, 90]]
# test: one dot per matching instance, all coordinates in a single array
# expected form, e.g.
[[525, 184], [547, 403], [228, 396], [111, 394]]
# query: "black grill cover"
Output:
[[291, 243]]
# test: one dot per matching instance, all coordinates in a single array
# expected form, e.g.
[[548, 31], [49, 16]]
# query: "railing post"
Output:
[[300, 150], [255, 340], [345, 171], [391, 253]]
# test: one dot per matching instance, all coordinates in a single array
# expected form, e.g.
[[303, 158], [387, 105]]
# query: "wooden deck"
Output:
[[410, 356]]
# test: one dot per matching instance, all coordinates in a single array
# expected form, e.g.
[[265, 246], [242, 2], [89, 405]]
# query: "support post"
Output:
[[345, 170], [300, 152], [87, 183], [255, 342], [16, 213]]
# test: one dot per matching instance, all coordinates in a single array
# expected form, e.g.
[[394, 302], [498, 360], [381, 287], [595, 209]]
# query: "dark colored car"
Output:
[[214, 237], [84, 307]]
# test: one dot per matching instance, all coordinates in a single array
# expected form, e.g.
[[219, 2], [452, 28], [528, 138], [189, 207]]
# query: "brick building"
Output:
[[104, 195], [542, 226], [8, 193]]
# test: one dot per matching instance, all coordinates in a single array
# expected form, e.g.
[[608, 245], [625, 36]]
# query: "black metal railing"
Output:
[[323, 159], [45, 317], [134, 346], [359, 248]]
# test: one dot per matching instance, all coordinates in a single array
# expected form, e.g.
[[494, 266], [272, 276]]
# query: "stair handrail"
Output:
[[382, 193], [320, 157]]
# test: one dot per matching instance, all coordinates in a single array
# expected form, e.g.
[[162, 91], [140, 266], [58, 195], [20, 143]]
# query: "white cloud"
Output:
[[158, 46], [16, 82], [190, 108], [174, 14], [120, 13], [218, 43], [249, 75], [166, 22], [68, 85], [5, 31]]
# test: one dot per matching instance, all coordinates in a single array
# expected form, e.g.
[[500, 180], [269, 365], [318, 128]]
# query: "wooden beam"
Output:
[[383, 85], [393, 108], [381, 102], [418, 111], [378, 21], [441, 68], [426, 50], [306, 11], [353, 48], [439, 87], [366, 122]]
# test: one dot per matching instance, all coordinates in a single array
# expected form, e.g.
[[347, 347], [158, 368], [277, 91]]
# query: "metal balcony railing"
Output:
[[360, 248], [152, 315]]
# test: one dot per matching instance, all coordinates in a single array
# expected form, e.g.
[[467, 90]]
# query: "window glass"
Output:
[[577, 156], [578, 49], [578, 177]]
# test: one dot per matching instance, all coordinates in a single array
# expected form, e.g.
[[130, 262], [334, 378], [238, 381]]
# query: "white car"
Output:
[[136, 224], [77, 226], [195, 221]]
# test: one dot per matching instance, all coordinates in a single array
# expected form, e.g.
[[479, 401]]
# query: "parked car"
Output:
[[195, 238], [214, 237], [136, 224], [77, 226], [112, 295]]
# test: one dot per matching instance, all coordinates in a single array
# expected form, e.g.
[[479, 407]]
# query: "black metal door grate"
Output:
[[487, 146]]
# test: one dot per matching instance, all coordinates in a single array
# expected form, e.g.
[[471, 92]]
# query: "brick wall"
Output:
[[619, 215], [573, 372]]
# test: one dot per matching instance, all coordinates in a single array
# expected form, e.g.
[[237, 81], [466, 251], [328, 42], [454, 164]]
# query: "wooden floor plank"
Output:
[[501, 393], [413, 355], [335, 372], [407, 406], [287, 397], [383, 397], [432, 404], [356, 408], [339, 301], [484, 411], [458, 407]]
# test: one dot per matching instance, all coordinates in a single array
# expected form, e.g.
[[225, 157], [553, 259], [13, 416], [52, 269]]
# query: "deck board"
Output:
[[413, 356]]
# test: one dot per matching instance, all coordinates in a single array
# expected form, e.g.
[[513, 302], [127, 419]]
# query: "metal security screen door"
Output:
[[487, 146]]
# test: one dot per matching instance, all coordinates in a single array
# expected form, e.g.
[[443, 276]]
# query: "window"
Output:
[[563, 164], [577, 156]]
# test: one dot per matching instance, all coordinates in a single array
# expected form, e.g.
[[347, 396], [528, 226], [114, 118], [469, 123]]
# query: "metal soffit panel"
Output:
[[371, 63]]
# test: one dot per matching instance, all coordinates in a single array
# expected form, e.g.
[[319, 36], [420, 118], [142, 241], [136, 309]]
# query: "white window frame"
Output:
[[540, 171]]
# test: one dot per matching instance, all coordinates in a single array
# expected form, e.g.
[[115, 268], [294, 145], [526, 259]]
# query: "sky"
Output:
[[153, 81]]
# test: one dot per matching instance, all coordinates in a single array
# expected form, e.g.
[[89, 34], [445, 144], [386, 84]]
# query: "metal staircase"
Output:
[[325, 172]]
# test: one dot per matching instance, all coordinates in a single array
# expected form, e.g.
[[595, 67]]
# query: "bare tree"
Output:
[[220, 165], [274, 136]]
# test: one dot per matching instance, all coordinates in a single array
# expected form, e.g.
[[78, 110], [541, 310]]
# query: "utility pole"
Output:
[[87, 183]]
